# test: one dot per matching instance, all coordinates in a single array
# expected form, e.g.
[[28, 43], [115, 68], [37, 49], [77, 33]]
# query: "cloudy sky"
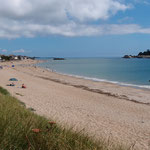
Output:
[[74, 28]]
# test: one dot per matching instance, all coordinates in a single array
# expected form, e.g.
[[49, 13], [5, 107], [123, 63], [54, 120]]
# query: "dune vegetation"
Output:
[[22, 129]]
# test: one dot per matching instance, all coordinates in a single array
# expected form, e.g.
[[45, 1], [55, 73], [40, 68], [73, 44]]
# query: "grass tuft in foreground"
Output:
[[21, 129], [4, 91]]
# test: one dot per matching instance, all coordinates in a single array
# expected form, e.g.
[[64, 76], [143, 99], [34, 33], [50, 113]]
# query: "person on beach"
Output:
[[12, 84], [23, 86]]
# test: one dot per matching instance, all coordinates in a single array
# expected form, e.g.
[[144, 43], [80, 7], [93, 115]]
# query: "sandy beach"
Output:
[[117, 113]]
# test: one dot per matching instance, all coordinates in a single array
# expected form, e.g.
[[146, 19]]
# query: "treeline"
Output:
[[145, 52], [14, 57], [10, 57], [7, 58]]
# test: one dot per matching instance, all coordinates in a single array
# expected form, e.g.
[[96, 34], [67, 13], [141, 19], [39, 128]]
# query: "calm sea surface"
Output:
[[133, 72]]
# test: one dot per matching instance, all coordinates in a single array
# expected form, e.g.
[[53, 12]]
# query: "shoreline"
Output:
[[94, 79], [123, 97], [83, 104], [143, 87], [105, 91]]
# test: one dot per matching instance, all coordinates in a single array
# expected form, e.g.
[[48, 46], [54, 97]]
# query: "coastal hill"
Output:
[[145, 54]]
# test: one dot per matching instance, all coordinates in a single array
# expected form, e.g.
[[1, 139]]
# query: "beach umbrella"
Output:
[[13, 79]]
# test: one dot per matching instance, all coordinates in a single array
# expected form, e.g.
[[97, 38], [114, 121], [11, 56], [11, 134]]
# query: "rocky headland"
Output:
[[145, 54]]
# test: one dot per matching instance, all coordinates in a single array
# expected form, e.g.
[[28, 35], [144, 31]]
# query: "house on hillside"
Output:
[[13, 57], [16, 58]]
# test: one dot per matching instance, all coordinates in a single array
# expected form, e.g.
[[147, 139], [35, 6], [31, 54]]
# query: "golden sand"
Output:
[[101, 109]]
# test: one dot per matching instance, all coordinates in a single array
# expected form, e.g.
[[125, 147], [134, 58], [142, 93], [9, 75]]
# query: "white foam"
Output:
[[103, 80]]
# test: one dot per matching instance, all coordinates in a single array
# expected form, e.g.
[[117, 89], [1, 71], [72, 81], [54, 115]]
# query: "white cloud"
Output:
[[4, 50], [95, 9], [30, 18], [20, 51], [126, 19], [71, 29], [49, 11], [146, 2]]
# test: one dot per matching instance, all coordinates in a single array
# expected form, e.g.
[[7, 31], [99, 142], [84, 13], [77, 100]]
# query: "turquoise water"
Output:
[[135, 72]]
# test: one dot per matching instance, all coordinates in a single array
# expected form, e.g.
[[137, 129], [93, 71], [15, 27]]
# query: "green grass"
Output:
[[17, 122], [4, 91]]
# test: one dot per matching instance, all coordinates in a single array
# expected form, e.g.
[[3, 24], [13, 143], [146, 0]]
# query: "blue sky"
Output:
[[74, 28]]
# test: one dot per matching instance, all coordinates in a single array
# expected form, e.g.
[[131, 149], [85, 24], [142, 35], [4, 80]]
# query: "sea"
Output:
[[133, 72]]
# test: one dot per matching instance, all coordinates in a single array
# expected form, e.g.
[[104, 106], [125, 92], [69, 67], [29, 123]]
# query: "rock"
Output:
[[127, 56]]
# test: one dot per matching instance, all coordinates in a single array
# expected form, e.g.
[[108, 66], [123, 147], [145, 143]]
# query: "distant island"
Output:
[[145, 54], [55, 58]]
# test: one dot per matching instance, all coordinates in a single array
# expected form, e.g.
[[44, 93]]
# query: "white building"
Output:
[[15, 58]]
